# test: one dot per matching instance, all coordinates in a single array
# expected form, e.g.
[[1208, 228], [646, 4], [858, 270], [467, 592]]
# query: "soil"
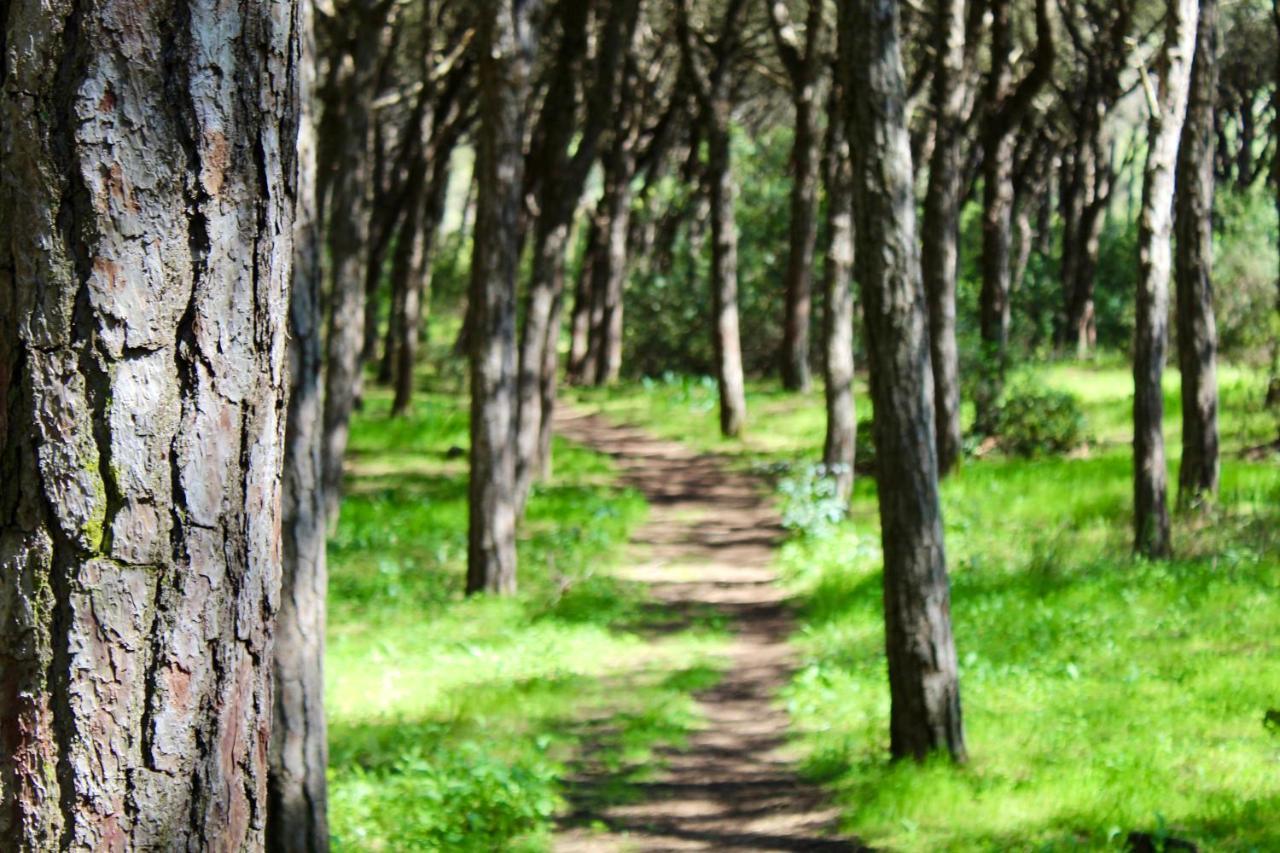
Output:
[[709, 544]]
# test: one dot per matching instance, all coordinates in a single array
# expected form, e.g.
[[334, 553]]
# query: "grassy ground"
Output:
[[455, 723], [1102, 694]]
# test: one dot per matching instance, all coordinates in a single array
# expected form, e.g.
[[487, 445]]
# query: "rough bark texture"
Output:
[[297, 819], [146, 205], [581, 369], [610, 269], [1197, 332], [941, 226], [925, 693], [840, 444], [348, 224], [803, 65], [505, 49], [1168, 106]]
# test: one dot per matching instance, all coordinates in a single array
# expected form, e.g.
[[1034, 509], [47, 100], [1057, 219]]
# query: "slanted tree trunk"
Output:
[[924, 686], [348, 221], [941, 227], [297, 819], [505, 47], [840, 444], [1197, 332], [803, 64], [145, 251], [1168, 104]]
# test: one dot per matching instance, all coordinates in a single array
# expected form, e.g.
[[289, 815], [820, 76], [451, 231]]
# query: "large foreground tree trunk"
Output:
[[1168, 108], [1197, 332], [297, 820], [840, 445], [146, 206], [505, 49], [924, 685]]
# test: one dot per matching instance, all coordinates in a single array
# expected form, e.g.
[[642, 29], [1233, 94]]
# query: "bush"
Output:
[[810, 505], [1033, 420]]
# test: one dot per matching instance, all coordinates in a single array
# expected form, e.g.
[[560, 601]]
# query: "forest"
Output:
[[639, 425]]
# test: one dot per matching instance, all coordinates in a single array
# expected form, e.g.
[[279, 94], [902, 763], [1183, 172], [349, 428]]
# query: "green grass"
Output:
[[455, 722], [1102, 694]]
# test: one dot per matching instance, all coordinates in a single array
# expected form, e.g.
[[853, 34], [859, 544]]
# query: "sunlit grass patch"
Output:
[[454, 723]]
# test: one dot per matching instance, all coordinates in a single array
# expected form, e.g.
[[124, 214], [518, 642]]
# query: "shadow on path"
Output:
[[732, 785]]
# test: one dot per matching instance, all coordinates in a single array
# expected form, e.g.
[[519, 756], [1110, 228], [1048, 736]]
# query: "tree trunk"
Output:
[[1168, 111], [924, 687], [1006, 106], [804, 236], [611, 265], [1197, 332], [940, 239], [581, 365], [146, 217], [297, 820], [417, 288], [841, 439], [724, 282], [348, 243], [505, 49]]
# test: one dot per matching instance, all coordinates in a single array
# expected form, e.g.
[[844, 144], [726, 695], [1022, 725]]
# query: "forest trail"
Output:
[[708, 545]]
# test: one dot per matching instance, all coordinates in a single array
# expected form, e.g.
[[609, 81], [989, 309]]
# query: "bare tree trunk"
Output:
[[146, 221], [924, 686], [611, 265], [1006, 106], [348, 242], [724, 285], [297, 820], [505, 47], [1197, 331], [802, 62], [417, 289], [941, 227], [840, 444], [585, 316], [1168, 111]]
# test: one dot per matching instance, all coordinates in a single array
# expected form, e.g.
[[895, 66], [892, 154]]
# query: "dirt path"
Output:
[[708, 543]]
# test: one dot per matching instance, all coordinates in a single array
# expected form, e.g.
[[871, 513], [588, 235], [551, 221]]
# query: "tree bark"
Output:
[[724, 285], [147, 166], [925, 695], [505, 48], [941, 227], [348, 222], [840, 445], [585, 316], [611, 265], [803, 65], [713, 92], [1197, 332], [297, 820], [1168, 111], [1007, 104]]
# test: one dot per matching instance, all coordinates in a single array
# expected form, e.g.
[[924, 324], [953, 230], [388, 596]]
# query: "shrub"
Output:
[[810, 505], [1033, 420]]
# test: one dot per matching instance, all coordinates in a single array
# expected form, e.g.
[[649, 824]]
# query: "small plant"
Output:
[[1034, 421], [810, 505]]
